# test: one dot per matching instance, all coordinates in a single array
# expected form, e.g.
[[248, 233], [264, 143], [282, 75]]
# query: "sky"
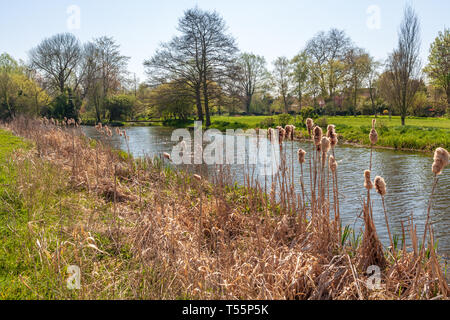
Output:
[[267, 28]]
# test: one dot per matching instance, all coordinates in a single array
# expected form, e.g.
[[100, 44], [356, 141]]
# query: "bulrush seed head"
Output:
[[301, 155], [281, 135], [197, 177], [441, 159], [380, 185], [317, 131], [290, 131], [367, 182], [309, 125], [332, 163], [326, 144], [373, 136]]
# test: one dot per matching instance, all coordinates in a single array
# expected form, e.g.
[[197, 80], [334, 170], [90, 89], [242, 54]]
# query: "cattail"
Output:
[[197, 177], [281, 135], [332, 163], [317, 131], [326, 144], [380, 186], [373, 133], [441, 159], [270, 133], [301, 155], [373, 136], [167, 156], [309, 125], [367, 182], [290, 131]]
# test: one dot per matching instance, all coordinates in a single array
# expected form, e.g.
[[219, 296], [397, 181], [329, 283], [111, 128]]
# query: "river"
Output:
[[408, 178]]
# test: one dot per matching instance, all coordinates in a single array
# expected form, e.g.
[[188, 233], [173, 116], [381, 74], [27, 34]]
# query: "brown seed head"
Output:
[[332, 163], [317, 131], [301, 155], [326, 144], [309, 125], [367, 182], [441, 160], [380, 186], [373, 136], [197, 177]]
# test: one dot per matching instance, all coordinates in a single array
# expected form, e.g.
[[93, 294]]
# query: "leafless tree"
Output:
[[253, 74], [403, 65], [200, 56], [58, 58]]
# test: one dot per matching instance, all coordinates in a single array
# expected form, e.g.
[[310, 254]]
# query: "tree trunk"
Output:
[[403, 119], [206, 102], [198, 100], [248, 103]]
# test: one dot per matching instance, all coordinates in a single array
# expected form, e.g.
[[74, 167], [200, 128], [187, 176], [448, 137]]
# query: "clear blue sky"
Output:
[[269, 28]]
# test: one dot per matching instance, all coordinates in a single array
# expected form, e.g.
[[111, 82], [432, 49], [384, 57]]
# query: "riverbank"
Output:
[[419, 134], [140, 230]]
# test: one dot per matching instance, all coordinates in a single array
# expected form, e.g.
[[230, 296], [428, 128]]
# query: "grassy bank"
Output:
[[140, 230], [424, 134]]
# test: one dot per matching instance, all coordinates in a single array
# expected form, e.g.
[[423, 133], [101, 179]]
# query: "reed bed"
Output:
[[173, 235]]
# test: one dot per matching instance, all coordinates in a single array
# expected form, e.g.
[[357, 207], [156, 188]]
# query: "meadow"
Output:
[[421, 134], [139, 229]]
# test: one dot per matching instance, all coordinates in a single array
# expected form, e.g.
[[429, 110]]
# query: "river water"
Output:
[[408, 178]]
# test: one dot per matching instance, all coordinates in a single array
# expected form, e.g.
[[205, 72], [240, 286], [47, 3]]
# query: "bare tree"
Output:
[[58, 58], [403, 65], [282, 78], [253, 75], [200, 56]]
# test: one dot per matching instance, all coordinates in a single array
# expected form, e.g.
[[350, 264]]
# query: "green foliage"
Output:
[[308, 112], [120, 106], [65, 105], [284, 119], [267, 123]]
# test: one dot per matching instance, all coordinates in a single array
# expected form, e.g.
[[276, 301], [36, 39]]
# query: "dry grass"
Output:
[[186, 238]]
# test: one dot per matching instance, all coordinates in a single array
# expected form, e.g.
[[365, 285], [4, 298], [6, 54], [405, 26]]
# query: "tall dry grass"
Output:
[[188, 238]]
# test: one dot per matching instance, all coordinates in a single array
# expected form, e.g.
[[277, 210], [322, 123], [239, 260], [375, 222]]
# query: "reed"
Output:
[[184, 237]]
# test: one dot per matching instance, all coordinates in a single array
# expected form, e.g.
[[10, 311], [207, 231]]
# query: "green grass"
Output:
[[424, 134]]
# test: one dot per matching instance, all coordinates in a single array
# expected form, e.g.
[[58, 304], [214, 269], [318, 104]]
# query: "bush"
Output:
[[267, 123], [284, 119]]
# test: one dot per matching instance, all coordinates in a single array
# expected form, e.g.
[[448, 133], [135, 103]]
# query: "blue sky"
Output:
[[268, 28]]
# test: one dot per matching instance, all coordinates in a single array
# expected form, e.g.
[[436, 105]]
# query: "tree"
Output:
[[282, 78], [171, 100], [104, 70], [201, 55], [58, 58], [120, 106], [327, 52], [358, 66], [372, 79], [252, 77], [403, 65], [300, 74], [19, 92], [438, 68]]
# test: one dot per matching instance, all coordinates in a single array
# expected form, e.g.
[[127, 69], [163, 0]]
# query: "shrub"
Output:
[[284, 119], [267, 123]]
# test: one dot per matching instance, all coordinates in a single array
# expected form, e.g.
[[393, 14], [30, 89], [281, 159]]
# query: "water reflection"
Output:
[[408, 177]]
